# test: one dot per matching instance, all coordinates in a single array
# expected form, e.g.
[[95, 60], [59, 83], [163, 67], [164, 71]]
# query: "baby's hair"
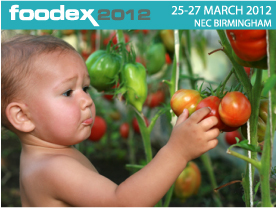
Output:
[[17, 57]]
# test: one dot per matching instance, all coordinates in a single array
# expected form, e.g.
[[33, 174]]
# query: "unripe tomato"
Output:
[[184, 98], [124, 130], [155, 99], [188, 182], [167, 38], [234, 109], [263, 110], [136, 126], [213, 103], [115, 115], [261, 128], [98, 129], [230, 137], [155, 58]]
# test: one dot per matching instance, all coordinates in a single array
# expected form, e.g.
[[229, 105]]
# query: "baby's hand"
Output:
[[191, 137]]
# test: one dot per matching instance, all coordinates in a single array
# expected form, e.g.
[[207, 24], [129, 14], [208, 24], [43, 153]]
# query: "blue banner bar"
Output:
[[138, 14]]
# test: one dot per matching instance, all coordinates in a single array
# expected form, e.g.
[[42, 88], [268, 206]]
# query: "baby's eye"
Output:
[[85, 89], [68, 93]]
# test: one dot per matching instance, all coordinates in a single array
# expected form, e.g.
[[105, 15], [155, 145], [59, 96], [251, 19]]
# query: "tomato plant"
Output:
[[188, 182], [185, 98], [213, 103], [98, 129], [124, 130], [136, 126], [234, 109], [155, 99], [230, 137]]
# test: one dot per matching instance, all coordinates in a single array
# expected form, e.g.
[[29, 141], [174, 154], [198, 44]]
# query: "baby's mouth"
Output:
[[88, 121]]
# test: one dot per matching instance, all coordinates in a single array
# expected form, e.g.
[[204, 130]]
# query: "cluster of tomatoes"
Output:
[[232, 111]]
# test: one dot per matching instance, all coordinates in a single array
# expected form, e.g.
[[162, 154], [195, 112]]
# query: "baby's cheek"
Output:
[[93, 111]]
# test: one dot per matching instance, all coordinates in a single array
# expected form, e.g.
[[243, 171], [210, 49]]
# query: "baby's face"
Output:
[[59, 103]]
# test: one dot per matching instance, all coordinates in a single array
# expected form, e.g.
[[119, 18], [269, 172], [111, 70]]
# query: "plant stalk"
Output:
[[271, 122]]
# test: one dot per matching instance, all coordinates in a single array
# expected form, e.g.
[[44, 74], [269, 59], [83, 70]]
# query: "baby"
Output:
[[45, 102]]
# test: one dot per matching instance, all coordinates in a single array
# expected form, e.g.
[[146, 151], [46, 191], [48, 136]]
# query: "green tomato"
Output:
[[260, 130], [93, 57], [102, 69], [155, 58], [134, 77]]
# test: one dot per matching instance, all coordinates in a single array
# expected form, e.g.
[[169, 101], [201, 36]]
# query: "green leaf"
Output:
[[244, 145], [270, 83], [256, 188]]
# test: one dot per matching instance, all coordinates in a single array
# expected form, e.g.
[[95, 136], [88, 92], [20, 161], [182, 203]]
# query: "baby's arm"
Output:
[[79, 186]]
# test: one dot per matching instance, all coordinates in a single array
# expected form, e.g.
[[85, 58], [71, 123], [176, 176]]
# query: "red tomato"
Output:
[[168, 59], [247, 70], [124, 130], [136, 126], [212, 102], [230, 137], [98, 129], [234, 109], [155, 99], [188, 182], [249, 45], [185, 99]]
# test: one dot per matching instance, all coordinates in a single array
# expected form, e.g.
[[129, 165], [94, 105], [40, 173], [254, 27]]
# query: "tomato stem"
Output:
[[257, 164], [227, 184], [216, 50]]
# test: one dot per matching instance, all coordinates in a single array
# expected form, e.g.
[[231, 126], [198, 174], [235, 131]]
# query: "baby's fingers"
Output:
[[209, 122], [212, 134], [198, 115], [212, 143], [182, 117]]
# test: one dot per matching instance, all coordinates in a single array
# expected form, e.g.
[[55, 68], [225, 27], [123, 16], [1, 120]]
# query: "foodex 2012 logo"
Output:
[[54, 14]]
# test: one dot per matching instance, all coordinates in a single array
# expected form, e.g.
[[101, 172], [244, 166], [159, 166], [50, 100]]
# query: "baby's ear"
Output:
[[18, 115]]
